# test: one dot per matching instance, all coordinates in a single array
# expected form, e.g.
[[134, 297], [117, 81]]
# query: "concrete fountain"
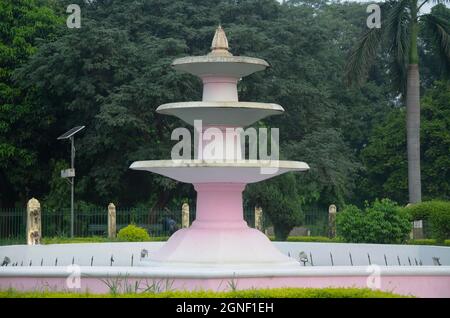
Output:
[[219, 247]]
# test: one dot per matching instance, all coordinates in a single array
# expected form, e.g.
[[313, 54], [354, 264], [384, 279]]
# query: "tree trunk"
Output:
[[413, 133]]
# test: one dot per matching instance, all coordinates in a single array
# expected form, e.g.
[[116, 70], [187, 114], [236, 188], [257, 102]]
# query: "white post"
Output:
[[258, 218], [332, 221], [34, 227], [185, 216], [111, 221]]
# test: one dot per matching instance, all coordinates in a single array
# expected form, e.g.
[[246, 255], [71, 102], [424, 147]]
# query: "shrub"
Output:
[[382, 222], [133, 233], [437, 213]]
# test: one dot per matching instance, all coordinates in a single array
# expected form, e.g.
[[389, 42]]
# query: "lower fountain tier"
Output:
[[211, 245], [219, 235], [210, 171], [231, 113]]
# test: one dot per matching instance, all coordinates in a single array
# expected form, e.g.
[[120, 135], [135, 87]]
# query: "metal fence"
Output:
[[13, 222]]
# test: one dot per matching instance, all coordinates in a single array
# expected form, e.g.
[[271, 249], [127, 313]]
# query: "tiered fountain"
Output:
[[219, 247], [219, 235]]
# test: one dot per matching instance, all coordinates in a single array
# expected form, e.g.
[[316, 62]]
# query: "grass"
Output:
[[252, 293]]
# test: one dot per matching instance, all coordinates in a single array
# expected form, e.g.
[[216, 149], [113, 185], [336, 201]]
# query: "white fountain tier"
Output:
[[212, 65], [226, 113], [226, 171], [219, 235]]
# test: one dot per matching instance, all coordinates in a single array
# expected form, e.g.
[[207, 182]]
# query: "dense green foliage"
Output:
[[385, 155], [381, 222], [437, 213], [113, 72], [133, 233], [23, 121], [253, 293]]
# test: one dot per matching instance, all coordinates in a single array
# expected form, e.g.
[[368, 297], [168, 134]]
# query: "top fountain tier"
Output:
[[220, 62], [220, 72]]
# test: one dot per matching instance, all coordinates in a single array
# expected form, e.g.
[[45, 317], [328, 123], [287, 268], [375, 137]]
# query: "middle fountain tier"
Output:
[[219, 172]]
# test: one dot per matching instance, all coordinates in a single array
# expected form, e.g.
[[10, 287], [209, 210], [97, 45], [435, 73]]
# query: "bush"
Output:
[[133, 233], [437, 213], [383, 222]]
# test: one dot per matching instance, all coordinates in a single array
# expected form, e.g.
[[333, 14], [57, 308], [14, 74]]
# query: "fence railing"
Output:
[[13, 222], [88, 223]]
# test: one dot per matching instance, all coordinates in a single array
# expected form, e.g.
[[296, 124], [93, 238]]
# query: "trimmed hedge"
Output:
[[428, 242], [252, 293], [313, 239], [318, 239], [437, 213], [93, 239]]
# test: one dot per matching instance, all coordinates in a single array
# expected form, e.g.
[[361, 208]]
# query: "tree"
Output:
[[280, 200], [385, 158], [111, 74], [400, 34], [23, 24]]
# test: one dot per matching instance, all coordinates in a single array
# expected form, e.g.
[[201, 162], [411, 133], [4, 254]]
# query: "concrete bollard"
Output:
[[185, 215], [112, 229], [332, 221], [34, 226], [258, 218]]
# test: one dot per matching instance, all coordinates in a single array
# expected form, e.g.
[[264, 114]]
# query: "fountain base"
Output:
[[201, 246]]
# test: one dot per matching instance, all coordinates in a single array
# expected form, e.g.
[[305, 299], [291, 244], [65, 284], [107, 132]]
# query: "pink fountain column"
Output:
[[219, 88], [219, 205]]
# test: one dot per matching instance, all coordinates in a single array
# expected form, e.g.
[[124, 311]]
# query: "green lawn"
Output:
[[253, 293]]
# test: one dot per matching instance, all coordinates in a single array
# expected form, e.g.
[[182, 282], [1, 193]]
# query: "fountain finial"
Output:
[[219, 46]]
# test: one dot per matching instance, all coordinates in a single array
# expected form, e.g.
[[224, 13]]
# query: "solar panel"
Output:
[[71, 132]]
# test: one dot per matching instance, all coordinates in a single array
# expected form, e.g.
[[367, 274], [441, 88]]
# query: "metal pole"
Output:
[[72, 184]]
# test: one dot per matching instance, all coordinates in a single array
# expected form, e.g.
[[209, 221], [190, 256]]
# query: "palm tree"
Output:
[[399, 35]]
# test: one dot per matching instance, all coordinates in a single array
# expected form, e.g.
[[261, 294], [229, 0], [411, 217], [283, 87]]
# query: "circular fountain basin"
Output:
[[233, 114], [329, 265], [233, 66], [220, 171]]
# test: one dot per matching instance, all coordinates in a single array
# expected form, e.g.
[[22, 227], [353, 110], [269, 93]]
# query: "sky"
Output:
[[425, 9]]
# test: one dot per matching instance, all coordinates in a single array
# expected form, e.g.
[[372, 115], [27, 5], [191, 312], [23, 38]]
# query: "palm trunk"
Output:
[[413, 113], [413, 133]]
